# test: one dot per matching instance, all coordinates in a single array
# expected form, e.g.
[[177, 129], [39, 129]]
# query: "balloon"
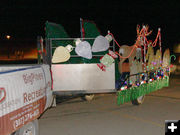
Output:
[[61, 54], [100, 44], [83, 49]]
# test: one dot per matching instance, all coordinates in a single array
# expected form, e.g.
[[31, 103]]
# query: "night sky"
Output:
[[25, 19]]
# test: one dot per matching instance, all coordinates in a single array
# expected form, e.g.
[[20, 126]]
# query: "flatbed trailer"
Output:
[[80, 75]]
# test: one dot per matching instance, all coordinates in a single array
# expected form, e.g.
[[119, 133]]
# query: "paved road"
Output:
[[103, 117]]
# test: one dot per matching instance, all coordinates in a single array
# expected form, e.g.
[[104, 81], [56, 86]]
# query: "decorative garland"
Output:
[[134, 92], [141, 34]]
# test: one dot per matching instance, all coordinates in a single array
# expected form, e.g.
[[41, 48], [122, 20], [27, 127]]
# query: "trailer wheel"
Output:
[[32, 128], [88, 97], [138, 101]]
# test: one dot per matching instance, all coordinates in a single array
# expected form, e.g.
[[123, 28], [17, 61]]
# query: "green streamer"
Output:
[[134, 92]]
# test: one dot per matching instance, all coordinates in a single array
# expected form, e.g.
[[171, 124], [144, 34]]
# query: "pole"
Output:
[[144, 43], [81, 27], [159, 32], [38, 49]]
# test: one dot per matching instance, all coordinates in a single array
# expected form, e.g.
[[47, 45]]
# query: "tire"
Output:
[[32, 128], [138, 101], [88, 97]]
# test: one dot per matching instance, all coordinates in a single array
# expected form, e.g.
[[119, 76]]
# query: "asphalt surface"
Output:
[[103, 116]]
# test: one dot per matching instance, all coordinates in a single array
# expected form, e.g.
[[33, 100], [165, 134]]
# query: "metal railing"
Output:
[[49, 47]]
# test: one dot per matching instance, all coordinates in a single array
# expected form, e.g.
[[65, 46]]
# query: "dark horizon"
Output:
[[26, 19]]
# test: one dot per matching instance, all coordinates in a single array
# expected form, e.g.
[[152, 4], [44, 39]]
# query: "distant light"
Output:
[[8, 36]]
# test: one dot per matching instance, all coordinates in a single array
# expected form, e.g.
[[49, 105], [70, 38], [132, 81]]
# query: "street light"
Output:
[[8, 37]]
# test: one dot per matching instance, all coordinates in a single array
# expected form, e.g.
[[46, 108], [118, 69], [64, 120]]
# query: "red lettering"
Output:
[[29, 96], [33, 95], [25, 97]]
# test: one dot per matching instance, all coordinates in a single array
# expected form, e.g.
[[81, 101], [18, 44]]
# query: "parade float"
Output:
[[86, 65], [95, 63]]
